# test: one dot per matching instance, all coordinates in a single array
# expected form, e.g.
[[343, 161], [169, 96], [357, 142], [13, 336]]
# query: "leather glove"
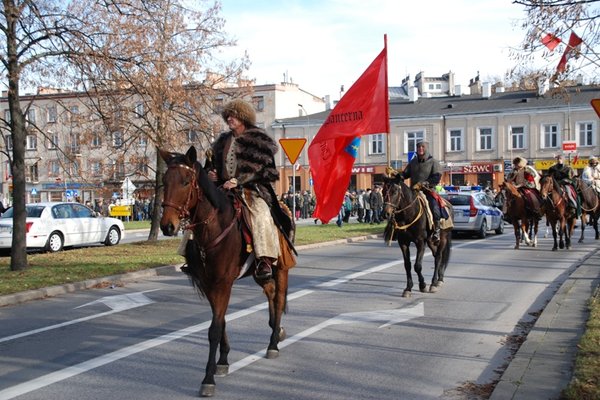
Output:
[[390, 171]]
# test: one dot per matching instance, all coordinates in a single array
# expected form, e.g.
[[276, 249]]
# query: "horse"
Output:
[[217, 255], [525, 225], [590, 206], [559, 212], [407, 221]]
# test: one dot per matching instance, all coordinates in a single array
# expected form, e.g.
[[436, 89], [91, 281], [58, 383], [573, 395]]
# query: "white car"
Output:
[[54, 225]]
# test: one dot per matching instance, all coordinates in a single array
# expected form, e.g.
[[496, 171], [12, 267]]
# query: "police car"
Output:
[[474, 211]]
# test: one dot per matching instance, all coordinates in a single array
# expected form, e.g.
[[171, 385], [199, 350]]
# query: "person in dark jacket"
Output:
[[564, 175]]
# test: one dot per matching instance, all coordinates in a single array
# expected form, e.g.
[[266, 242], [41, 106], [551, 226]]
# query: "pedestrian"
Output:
[[367, 202]]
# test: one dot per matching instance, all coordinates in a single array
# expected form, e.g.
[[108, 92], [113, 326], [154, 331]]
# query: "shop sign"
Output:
[[473, 169], [363, 170]]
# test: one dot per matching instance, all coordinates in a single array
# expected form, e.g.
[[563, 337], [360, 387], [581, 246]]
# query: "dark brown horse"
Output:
[[590, 206], [524, 223], [407, 223], [216, 257], [559, 212]]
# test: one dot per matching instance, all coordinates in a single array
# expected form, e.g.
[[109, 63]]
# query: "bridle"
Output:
[[184, 211], [397, 211]]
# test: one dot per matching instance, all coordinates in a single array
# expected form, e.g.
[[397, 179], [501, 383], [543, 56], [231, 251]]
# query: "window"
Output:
[[585, 134], [118, 170], [218, 105], [376, 144], [31, 116], [438, 86], [74, 144], [192, 136], [411, 140], [259, 103], [550, 136], [75, 168], [51, 141], [31, 143], [143, 141], [455, 140], [52, 114], [517, 138], [96, 167], [32, 174], [484, 138], [117, 139], [7, 116], [54, 168], [139, 110], [142, 167], [96, 139], [431, 86], [8, 142], [74, 113]]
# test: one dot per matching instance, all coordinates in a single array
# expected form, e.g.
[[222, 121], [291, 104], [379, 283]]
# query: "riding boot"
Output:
[[263, 268], [435, 237]]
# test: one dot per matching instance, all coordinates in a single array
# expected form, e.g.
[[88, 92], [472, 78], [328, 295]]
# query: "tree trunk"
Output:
[[158, 198]]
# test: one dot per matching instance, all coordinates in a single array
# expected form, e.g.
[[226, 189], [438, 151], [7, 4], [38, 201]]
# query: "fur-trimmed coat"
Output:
[[255, 154]]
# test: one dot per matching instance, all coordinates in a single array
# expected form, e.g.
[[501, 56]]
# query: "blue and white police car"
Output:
[[474, 211]]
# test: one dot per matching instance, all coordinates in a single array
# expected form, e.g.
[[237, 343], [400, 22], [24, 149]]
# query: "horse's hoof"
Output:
[[282, 334], [433, 289], [580, 241], [207, 390], [222, 370], [561, 246], [423, 288], [272, 354], [517, 247], [554, 248], [407, 294]]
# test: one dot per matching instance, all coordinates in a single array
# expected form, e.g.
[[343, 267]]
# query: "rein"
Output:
[[184, 211], [396, 211], [595, 195]]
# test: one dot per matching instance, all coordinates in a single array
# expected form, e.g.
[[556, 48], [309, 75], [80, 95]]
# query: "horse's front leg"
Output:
[[524, 231], [517, 229], [276, 291], [437, 264], [420, 244], [218, 298], [583, 223], [562, 232], [407, 268], [554, 235]]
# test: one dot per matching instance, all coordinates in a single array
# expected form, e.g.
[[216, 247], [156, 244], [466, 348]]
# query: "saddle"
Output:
[[533, 201]]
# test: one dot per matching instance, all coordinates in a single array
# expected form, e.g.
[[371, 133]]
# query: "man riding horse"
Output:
[[527, 181], [425, 173], [591, 174], [243, 158], [564, 175]]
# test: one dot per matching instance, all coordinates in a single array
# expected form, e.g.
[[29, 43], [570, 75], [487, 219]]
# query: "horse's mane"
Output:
[[512, 188]]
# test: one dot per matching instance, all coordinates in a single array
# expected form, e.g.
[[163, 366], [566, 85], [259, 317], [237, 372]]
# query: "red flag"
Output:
[[551, 41], [572, 48], [576, 158], [363, 110]]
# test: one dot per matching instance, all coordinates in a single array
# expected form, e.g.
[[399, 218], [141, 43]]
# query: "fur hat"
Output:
[[241, 110], [593, 160], [520, 162]]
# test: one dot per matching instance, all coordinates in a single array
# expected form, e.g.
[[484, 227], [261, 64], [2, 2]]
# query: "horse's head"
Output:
[[181, 191], [546, 185], [392, 194]]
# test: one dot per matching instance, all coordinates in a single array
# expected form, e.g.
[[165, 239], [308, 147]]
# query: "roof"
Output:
[[523, 101]]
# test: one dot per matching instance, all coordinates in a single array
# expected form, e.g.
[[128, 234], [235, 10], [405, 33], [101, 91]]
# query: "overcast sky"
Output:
[[323, 44]]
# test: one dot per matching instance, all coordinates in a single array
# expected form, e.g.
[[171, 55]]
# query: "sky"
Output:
[[324, 44]]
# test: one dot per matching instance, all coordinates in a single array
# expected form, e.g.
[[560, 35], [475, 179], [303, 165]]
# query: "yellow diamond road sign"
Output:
[[292, 148]]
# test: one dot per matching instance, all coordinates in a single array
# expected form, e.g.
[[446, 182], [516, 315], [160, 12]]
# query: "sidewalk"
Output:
[[543, 365]]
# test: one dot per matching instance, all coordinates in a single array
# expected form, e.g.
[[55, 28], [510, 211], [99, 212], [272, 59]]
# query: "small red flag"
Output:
[[363, 110], [572, 49], [551, 41], [576, 158]]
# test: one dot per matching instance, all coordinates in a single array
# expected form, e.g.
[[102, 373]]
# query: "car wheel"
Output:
[[114, 237], [500, 229], [55, 242], [483, 230]]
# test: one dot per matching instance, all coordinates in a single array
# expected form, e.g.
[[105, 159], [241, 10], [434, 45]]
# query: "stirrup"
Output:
[[263, 270]]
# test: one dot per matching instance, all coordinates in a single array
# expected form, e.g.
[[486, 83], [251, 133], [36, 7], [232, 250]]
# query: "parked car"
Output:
[[54, 225], [475, 212]]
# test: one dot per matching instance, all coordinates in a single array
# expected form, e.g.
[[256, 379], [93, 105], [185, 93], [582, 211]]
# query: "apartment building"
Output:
[[70, 154], [474, 136]]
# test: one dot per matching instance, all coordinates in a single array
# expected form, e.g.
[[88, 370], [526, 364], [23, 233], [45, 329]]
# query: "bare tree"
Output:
[[33, 36], [149, 75], [558, 19]]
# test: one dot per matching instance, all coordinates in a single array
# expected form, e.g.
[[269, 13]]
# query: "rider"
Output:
[[564, 174], [425, 173], [591, 174], [527, 181], [243, 157]]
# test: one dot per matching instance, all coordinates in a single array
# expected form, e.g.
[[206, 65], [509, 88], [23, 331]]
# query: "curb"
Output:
[[51, 291]]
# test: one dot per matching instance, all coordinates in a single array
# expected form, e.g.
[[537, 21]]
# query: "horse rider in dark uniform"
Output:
[[564, 175], [425, 173]]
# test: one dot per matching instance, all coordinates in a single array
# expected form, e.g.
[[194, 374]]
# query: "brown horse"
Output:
[[559, 212], [590, 206], [524, 223], [407, 222], [217, 255]]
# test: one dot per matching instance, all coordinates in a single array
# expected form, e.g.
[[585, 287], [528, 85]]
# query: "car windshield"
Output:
[[32, 212]]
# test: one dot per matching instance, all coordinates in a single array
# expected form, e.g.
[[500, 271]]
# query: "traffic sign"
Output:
[[292, 148], [569, 146], [596, 105]]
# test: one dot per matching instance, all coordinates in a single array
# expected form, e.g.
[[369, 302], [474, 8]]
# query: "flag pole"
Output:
[[387, 106]]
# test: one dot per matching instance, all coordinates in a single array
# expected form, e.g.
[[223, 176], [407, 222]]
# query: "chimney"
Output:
[[413, 94], [458, 90], [486, 91]]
